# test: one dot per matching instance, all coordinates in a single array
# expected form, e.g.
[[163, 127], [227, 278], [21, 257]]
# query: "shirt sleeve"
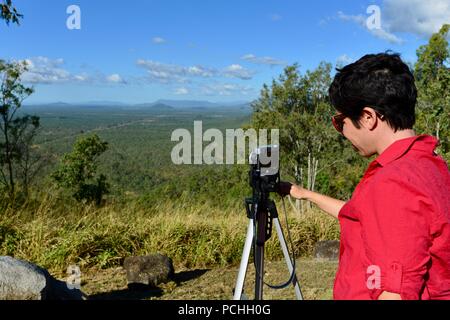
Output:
[[396, 236]]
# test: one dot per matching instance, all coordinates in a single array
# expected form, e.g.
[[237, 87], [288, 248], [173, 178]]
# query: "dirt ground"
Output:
[[315, 277]]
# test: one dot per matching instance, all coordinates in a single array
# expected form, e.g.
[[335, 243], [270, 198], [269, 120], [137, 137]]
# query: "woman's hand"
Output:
[[284, 188], [329, 205], [287, 188]]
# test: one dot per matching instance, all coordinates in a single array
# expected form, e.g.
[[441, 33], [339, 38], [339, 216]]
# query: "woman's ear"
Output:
[[369, 118]]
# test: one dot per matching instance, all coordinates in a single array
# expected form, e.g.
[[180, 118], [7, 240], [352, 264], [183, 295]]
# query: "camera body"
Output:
[[264, 174]]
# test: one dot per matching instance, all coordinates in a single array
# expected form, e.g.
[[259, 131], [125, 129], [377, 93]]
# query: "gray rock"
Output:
[[148, 270], [22, 280], [327, 250]]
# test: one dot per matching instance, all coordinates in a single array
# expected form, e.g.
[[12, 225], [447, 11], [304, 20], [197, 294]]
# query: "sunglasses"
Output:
[[338, 121]]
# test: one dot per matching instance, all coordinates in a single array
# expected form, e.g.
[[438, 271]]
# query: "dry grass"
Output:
[[55, 234]]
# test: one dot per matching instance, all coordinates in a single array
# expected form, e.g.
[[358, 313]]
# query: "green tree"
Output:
[[32, 159], [9, 13], [433, 82], [17, 133], [311, 150], [77, 171]]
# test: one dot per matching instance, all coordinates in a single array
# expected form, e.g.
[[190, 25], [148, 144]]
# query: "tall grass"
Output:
[[55, 233]]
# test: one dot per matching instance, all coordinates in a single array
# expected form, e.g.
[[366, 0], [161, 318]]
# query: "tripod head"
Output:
[[264, 178], [264, 174]]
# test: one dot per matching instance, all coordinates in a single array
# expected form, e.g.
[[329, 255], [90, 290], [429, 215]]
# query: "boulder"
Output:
[[150, 270], [22, 280], [327, 250]]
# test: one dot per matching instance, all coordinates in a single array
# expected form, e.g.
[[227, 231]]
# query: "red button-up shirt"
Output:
[[395, 230]]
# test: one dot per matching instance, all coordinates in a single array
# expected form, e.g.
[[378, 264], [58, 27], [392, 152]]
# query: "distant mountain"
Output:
[[200, 103], [46, 106], [234, 103], [142, 105], [53, 104], [102, 104], [162, 106], [56, 104], [187, 103], [159, 104], [73, 105]]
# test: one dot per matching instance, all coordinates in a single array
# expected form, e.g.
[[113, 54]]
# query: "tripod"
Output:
[[262, 212]]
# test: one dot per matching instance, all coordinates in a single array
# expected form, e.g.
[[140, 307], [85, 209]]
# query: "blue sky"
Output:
[[140, 51]]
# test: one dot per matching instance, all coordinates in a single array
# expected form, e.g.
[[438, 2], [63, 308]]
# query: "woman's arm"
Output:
[[329, 205]]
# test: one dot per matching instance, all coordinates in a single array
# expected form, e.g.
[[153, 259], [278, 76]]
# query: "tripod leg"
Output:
[[290, 266], [244, 262], [261, 238]]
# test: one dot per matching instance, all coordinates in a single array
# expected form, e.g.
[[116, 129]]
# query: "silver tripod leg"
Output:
[[290, 266], [244, 262], [246, 255]]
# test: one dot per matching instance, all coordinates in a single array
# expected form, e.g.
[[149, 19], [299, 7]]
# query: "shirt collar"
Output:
[[400, 147]]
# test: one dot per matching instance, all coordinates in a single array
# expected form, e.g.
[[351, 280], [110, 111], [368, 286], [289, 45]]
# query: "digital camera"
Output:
[[264, 171]]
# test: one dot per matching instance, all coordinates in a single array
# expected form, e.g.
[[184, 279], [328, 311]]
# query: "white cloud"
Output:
[[377, 32], [163, 73], [238, 71], [422, 18], [359, 19], [200, 71], [385, 35], [263, 60], [226, 89], [80, 78], [115, 78], [344, 60], [46, 70], [158, 40], [418, 17], [167, 73], [181, 91], [325, 21]]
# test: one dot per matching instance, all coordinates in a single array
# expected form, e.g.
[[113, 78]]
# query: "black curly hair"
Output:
[[380, 81]]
